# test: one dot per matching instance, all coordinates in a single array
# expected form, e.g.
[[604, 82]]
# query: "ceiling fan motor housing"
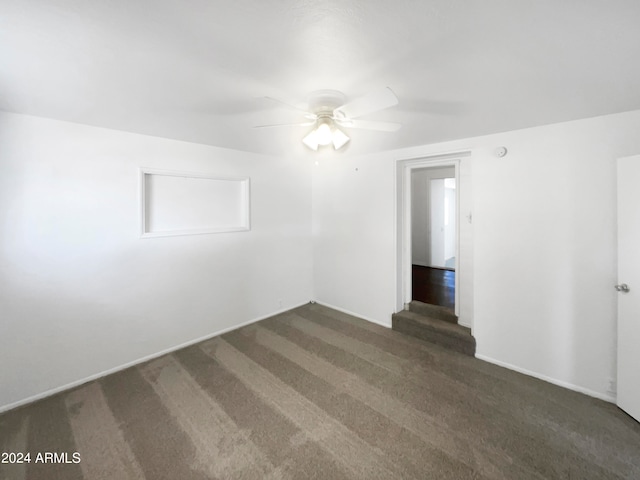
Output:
[[325, 101]]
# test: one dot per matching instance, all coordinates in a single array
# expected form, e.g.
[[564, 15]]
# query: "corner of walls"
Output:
[[543, 235], [83, 294], [355, 234], [352, 271]]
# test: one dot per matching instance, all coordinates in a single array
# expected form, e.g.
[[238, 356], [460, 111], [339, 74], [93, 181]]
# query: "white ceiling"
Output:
[[197, 70]]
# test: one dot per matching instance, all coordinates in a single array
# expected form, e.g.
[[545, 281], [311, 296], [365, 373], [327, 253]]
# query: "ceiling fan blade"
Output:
[[293, 107], [370, 125], [369, 103], [305, 124]]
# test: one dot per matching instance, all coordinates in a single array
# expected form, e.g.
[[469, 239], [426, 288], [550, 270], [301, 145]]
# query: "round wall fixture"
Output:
[[501, 151]]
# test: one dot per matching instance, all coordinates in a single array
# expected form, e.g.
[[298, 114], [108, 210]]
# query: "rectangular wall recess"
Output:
[[185, 203]]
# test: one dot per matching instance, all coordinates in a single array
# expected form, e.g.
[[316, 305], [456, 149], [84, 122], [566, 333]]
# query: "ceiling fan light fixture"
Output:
[[339, 138], [311, 140], [325, 133], [328, 111]]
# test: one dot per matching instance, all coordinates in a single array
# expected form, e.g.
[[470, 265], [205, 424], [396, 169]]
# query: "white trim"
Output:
[[403, 220], [560, 383], [243, 226], [133, 363], [353, 314]]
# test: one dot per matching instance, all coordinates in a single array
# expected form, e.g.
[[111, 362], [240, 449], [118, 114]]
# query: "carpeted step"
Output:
[[433, 311], [441, 332]]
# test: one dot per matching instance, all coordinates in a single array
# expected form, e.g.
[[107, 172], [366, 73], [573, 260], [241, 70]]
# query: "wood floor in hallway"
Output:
[[434, 285]]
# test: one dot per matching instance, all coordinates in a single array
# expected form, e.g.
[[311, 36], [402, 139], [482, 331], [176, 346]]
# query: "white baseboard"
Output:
[[560, 383], [348, 312], [77, 383], [464, 324]]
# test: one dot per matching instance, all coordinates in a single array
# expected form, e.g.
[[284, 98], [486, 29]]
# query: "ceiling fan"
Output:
[[327, 111]]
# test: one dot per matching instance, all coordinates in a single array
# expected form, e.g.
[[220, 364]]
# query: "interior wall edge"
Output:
[[465, 323], [353, 314]]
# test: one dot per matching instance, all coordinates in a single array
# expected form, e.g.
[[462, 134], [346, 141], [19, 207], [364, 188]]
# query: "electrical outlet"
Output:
[[613, 386]]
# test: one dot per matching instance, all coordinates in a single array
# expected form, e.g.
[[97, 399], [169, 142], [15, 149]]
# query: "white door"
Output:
[[629, 285]]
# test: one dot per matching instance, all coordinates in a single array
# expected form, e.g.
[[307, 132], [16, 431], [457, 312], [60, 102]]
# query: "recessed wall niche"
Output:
[[186, 203]]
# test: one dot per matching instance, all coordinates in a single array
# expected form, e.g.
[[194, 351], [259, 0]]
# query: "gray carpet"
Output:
[[314, 393]]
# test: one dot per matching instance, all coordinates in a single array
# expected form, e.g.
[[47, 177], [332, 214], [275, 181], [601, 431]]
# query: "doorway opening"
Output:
[[433, 235], [436, 238]]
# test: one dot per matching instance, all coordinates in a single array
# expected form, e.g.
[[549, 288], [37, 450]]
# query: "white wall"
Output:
[[422, 244], [81, 293], [449, 223], [543, 234], [355, 241], [420, 216], [354, 236]]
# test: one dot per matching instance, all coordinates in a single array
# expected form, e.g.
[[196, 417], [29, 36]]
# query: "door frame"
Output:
[[404, 167]]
